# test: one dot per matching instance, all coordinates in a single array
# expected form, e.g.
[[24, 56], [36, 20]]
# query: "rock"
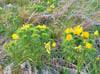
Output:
[[35, 70], [50, 71], [2, 54], [73, 71], [26, 68], [7, 69], [9, 6]]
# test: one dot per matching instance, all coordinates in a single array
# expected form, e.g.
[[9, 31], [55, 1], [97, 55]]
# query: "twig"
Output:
[[1, 51], [3, 56], [30, 17], [1, 70]]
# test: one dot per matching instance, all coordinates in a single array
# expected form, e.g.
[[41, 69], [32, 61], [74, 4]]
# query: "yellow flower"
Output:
[[77, 47], [15, 36], [85, 35], [71, 29], [97, 58], [39, 26], [10, 4], [98, 19], [42, 27], [54, 44], [34, 3], [49, 9], [78, 30], [47, 46], [69, 37], [68, 30], [84, 41], [26, 26], [52, 6], [53, 0], [0, 8], [88, 45], [96, 33], [48, 2]]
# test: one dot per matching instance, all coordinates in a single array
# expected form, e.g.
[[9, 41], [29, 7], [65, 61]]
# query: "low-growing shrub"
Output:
[[42, 6], [78, 47], [32, 44]]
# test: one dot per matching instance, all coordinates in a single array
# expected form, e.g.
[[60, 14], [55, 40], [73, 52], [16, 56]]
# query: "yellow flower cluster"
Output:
[[15, 36], [78, 30], [68, 30], [42, 27], [49, 9], [51, 6], [26, 26], [88, 45]]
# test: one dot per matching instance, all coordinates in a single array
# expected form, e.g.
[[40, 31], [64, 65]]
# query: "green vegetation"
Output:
[[51, 33]]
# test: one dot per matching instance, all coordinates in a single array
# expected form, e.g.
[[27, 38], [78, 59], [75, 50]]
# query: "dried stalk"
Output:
[[1, 51], [4, 56], [1, 70]]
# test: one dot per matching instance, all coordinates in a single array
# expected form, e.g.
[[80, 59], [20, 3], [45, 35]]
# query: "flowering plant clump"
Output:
[[41, 6], [30, 43], [78, 46]]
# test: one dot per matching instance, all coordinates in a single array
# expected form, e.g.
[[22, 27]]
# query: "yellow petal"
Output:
[[88, 45], [85, 35], [97, 58], [48, 2], [10, 4], [49, 9], [69, 37], [0, 8], [52, 6], [96, 33], [48, 51]]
